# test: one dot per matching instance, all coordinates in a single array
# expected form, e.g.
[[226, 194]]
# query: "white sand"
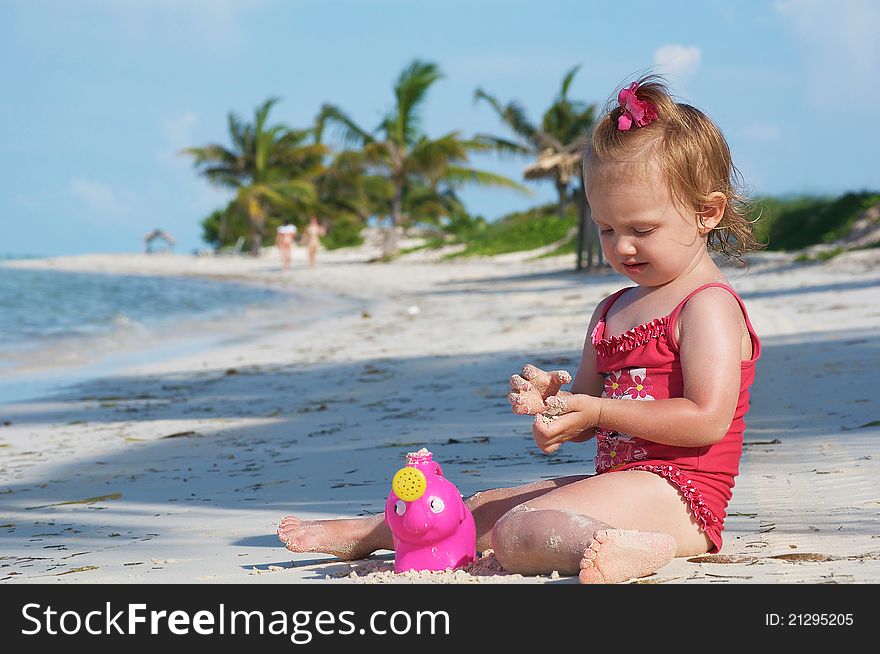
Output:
[[313, 419]]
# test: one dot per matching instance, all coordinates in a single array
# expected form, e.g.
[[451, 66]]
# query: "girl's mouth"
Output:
[[636, 267]]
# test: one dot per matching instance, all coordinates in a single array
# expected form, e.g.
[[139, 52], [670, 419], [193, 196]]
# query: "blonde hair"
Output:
[[693, 155]]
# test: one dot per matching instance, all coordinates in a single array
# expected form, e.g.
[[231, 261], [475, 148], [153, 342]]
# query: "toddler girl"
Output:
[[663, 383]]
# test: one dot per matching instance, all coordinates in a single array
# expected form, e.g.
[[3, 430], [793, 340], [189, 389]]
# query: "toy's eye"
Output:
[[400, 507], [437, 505]]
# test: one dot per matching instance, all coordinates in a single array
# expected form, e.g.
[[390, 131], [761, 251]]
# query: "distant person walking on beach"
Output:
[[663, 381], [312, 237], [284, 239]]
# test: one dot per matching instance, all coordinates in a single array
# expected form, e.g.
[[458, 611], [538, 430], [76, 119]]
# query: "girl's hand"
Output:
[[566, 418], [532, 386]]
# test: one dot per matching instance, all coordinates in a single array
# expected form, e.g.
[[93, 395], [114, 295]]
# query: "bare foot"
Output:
[[615, 555], [349, 539]]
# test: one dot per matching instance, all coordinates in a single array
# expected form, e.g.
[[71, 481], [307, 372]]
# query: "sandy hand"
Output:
[[532, 386]]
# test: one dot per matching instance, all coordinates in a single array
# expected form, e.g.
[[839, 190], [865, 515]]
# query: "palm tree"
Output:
[[557, 145], [268, 167], [346, 187], [399, 152]]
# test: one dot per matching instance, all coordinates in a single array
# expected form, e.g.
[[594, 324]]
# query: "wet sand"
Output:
[[178, 470]]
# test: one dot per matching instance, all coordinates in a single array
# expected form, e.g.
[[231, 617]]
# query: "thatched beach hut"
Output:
[[166, 242]]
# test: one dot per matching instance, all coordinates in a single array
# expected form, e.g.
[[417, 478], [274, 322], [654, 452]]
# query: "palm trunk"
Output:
[[583, 233], [586, 231], [563, 196], [389, 246], [258, 220]]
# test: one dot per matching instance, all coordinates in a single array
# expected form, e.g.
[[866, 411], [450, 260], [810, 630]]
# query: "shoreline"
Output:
[[135, 474], [48, 365]]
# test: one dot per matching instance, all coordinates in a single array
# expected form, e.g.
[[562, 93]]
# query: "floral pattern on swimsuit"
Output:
[[614, 448]]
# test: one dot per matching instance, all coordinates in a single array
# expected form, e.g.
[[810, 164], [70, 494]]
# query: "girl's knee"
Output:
[[508, 533]]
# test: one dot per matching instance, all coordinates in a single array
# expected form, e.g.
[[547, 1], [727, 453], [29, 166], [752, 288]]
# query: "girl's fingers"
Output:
[[550, 433], [557, 379], [522, 403], [556, 405], [517, 402], [565, 402], [547, 383], [517, 383]]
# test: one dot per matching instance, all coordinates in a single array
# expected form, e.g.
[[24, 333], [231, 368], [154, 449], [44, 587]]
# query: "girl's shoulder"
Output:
[[712, 306]]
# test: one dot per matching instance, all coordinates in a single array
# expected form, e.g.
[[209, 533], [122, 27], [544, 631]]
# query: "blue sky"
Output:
[[99, 96]]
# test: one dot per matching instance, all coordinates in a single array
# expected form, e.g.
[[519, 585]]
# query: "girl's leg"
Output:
[[606, 528], [357, 538]]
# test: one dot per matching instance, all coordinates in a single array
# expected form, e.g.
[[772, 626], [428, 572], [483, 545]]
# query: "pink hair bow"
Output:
[[640, 112]]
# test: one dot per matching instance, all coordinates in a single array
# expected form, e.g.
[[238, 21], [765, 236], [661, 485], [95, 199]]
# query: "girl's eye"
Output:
[[400, 507], [437, 505], [605, 231], [642, 234]]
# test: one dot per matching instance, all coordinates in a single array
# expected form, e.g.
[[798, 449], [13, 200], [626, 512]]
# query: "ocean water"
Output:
[[37, 306], [54, 324]]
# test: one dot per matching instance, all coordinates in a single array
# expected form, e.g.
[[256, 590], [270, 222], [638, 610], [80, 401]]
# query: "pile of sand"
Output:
[[486, 569]]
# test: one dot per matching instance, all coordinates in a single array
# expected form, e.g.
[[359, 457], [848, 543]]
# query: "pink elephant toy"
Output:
[[431, 527]]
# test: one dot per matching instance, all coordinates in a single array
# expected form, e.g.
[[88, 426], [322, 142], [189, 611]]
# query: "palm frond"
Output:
[[489, 143], [515, 117], [430, 155], [459, 175], [480, 94], [262, 113], [410, 92], [239, 132], [566, 82], [347, 130]]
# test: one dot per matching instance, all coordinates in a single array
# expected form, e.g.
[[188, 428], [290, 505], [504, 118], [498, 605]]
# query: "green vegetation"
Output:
[[524, 230], [395, 174], [399, 176], [421, 174], [269, 168], [821, 256], [794, 223]]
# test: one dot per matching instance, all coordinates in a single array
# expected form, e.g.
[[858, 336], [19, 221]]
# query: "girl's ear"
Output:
[[711, 213]]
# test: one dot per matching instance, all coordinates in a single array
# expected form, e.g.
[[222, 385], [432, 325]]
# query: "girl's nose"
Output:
[[624, 247]]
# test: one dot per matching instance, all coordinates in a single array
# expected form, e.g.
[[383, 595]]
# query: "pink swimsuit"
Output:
[[644, 364]]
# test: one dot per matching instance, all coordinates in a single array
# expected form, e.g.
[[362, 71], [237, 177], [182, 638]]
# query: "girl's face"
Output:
[[646, 234]]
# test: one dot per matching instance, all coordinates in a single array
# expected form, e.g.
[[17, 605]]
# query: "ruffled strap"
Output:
[[630, 339]]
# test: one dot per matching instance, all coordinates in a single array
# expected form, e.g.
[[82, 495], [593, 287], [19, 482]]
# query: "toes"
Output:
[[590, 575], [588, 559]]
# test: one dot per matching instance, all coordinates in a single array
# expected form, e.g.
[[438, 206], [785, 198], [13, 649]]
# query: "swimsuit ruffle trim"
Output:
[[709, 522], [628, 340]]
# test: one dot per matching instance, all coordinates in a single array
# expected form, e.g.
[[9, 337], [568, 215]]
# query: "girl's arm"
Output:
[[711, 334]]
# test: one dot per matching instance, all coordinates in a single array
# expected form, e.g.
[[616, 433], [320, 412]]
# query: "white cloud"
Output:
[[98, 198], [761, 132], [678, 60], [841, 49]]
